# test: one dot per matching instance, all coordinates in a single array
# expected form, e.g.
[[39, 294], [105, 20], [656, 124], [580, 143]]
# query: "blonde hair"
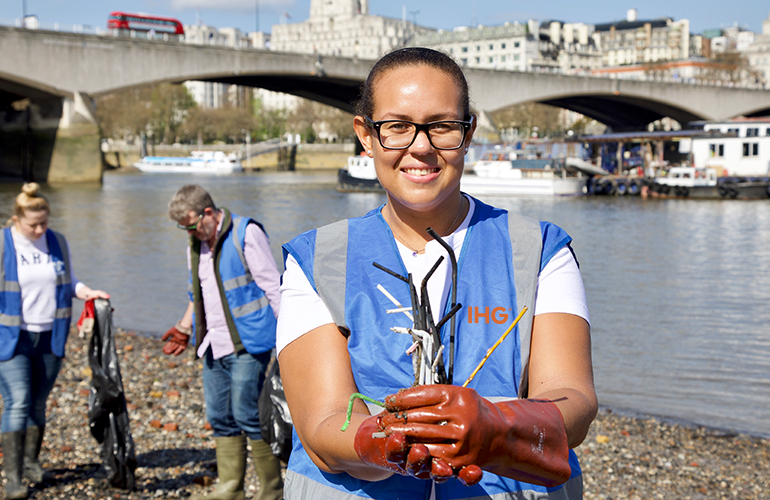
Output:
[[30, 199]]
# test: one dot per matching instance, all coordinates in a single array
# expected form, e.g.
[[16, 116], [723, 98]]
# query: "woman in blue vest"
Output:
[[510, 432], [36, 289]]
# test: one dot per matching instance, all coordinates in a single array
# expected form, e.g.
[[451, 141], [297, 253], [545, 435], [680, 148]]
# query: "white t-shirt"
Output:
[[37, 281], [559, 290]]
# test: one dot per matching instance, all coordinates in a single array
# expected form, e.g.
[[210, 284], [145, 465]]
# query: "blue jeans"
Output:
[[26, 380], [231, 387]]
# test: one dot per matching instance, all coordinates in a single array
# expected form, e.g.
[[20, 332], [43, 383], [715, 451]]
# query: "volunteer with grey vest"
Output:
[[336, 332], [234, 302], [36, 286]]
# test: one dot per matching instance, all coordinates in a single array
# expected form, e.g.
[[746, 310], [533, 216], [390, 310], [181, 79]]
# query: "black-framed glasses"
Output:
[[400, 134], [191, 227]]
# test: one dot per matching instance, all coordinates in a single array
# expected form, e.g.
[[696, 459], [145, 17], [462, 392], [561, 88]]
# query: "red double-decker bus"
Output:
[[144, 22]]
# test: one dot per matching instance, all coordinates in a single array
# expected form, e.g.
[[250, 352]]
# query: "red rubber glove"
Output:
[[374, 448], [177, 341], [392, 452], [523, 439]]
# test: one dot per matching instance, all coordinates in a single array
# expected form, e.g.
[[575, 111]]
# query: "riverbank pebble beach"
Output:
[[622, 457]]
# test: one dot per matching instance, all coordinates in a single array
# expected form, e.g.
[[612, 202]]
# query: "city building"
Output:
[[534, 46], [632, 41], [344, 28], [758, 53]]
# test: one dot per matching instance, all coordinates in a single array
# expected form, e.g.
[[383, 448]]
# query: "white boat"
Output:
[[699, 182], [358, 175], [503, 172], [199, 162]]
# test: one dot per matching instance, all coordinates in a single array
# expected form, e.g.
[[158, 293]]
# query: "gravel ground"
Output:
[[622, 457]]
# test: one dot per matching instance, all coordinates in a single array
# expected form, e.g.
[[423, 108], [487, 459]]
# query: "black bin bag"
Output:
[[107, 412], [274, 418]]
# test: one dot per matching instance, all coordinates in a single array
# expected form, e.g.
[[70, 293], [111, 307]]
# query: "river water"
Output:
[[679, 290]]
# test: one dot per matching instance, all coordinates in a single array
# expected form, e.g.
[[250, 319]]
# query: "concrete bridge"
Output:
[[49, 78]]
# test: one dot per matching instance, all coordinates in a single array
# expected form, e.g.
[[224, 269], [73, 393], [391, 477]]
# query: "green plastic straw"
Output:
[[353, 397]]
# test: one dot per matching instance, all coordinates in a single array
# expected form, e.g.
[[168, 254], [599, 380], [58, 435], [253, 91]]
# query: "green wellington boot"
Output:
[[231, 467], [268, 471], [32, 444], [13, 446]]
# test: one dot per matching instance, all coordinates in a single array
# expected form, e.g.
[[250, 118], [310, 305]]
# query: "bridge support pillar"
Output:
[[51, 141]]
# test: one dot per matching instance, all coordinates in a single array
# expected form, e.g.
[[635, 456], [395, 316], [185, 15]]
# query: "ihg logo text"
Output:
[[497, 315]]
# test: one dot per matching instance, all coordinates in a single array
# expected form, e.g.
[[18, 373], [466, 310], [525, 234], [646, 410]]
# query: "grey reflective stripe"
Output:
[[8, 320], [527, 247], [7, 286], [2, 260], [237, 221], [299, 487], [330, 267], [63, 312], [236, 282], [65, 280], [251, 307]]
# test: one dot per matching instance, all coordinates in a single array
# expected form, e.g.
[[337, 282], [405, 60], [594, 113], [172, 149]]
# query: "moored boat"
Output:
[[199, 162], [503, 172], [358, 175], [700, 182]]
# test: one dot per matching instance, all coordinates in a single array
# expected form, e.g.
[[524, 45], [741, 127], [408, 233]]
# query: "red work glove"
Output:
[[177, 341], [392, 452], [523, 439]]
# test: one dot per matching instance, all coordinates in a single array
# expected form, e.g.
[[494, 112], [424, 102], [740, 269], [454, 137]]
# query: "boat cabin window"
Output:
[[717, 150], [686, 175], [750, 149]]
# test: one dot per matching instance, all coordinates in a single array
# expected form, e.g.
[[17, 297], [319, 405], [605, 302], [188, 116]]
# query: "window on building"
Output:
[[491, 60], [752, 132], [491, 46], [478, 60], [464, 61], [464, 49], [515, 45], [502, 45], [767, 131], [717, 150], [516, 57], [502, 59], [478, 48], [732, 131], [750, 149]]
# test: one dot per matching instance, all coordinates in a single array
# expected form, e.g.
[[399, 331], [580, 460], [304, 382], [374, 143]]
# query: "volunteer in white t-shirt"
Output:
[[36, 290]]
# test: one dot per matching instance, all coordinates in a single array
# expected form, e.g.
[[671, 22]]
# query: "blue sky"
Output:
[[444, 14]]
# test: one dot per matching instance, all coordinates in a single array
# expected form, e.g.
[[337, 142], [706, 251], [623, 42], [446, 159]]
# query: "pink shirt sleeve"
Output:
[[259, 257]]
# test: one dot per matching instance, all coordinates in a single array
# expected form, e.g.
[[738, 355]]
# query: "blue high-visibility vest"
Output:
[[10, 294], [498, 266], [248, 313]]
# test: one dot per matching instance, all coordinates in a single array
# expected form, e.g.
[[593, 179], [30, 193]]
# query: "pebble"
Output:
[[622, 457]]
